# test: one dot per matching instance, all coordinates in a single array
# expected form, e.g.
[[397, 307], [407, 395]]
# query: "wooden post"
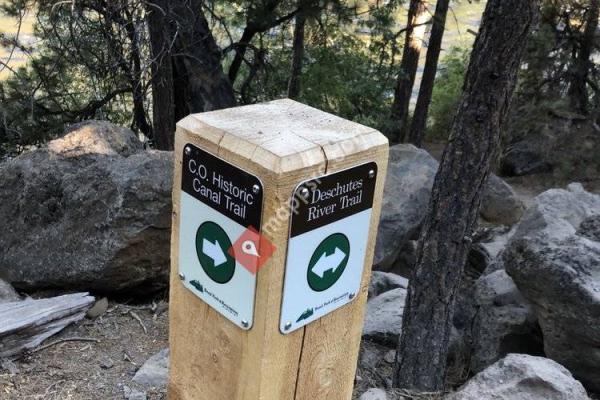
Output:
[[282, 143]]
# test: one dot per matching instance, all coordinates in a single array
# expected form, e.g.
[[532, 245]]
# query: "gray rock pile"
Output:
[[522, 377], [540, 296], [411, 172], [554, 259]]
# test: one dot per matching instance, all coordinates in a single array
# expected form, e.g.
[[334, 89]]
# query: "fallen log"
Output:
[[26, 324]]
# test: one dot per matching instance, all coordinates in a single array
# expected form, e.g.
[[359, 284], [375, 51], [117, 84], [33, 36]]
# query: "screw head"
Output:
[[287, 326], [181, 276], [256, 189], [187, 150], [371, 173], [304, 192], [245, 323]]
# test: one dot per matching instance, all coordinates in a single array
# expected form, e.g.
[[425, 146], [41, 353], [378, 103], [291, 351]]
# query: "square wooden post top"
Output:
[[281, 135]]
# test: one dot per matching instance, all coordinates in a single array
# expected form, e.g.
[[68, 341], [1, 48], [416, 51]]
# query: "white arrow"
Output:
[[214, 251], [326, 263]]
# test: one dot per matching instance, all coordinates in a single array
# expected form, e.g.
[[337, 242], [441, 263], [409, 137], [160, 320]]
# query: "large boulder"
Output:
[[90, 211], [504, 321], [383, 319], [499, 202], [406, 196], [410, 176], [522, 377], [554, 259]]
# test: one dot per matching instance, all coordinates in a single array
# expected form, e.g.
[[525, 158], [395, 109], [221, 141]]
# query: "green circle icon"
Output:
[[328, 262], [212, 244]]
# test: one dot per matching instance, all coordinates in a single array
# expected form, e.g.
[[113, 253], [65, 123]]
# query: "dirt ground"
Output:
[[117, 344]]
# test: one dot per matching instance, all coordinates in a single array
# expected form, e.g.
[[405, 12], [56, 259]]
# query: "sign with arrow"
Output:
[[219, 203], [326, 252]]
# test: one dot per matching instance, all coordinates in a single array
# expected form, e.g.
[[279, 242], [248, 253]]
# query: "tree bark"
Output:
[[187, 75], [417, 129], [163, 97], [455, 199], [578, 94], [199, 59], [415, 31], [297, 57]]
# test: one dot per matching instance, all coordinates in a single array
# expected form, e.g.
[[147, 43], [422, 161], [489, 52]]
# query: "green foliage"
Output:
[[80, 69], [446, 93], [343, 79]]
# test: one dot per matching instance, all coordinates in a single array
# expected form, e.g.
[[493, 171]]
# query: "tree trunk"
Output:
[[582, 63], [297, 57], [417, 130], [163, 98], [199, 59], [135, 78], [415, 31], [453, 208], [187, 75]]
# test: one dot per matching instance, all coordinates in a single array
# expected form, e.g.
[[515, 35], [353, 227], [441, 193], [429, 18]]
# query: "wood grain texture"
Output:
[[25, 324], [283, 143]]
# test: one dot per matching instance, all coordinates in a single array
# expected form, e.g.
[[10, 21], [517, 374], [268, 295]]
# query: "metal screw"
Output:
[[372, 173], [181, 276], [256, 189], [304, 192], [187, 150], [287, 326], [245, 323], [351, 296]]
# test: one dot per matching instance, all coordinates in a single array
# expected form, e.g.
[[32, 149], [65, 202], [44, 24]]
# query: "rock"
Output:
[[390, 357], [557, 213], [106, 363], [98, 309], [504, 322], [406, 195], [93, 218], [383, 319], [590, 228], [522, 377], [382, 282], [555, 263], [133, 394], [409, 180], [374, 394], [7, 293], [499, 203], [96, 137], [7, 365], [155, 372], [404, 264], [522, 158], [371, 354]]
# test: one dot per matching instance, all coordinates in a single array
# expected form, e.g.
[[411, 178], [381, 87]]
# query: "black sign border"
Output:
[[294, 230], [255, 219]]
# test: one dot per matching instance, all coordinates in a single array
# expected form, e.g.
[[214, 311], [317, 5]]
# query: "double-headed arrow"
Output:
[[214, 251], [328, 262]]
